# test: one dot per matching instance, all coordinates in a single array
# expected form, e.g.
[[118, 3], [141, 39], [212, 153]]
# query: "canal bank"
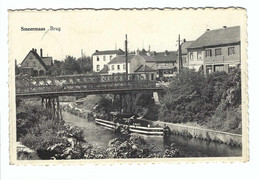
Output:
[[201, 133], [183, 130], [99, 137]]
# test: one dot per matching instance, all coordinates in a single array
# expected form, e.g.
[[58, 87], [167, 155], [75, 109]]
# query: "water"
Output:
[[98, 136]]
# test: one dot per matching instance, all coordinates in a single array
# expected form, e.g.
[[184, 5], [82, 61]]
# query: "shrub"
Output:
[[192, 96]]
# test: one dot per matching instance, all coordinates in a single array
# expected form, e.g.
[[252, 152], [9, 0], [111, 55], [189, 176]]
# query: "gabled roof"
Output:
[[149, 58], [121, 59], [144, 68], [107, 52], [47, 61], [184, 47], [37, 57], [228, 35], [104, 70], [169, 56]]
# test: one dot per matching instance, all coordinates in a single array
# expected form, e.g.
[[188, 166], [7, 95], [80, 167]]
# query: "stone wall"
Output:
[[202, 133]]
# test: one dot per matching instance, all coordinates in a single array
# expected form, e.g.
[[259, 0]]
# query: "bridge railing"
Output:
[[28, 84]]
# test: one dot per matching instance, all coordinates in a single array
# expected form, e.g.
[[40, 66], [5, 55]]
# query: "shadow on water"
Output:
[[190, 147]]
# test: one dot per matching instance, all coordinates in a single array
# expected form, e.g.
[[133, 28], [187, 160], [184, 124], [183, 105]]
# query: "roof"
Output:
[[169, 56], [37, 57], [144, 68], [184, 46], [121, 59], [104, 70], [166, 67], [216, 37], [106, 52], [148, 58], [47, 61]]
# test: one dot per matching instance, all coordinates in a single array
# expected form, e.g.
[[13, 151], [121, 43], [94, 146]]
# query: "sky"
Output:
[[92, 30]]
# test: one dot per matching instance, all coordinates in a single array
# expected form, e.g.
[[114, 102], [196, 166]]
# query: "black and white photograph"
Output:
[[139, 85]]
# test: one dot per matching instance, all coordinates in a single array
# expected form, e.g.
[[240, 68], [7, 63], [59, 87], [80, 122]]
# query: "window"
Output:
[[218, 68], [123, 66], [191, 55], [98, 67], [199, 55], [97, 58], [113, 67], [118, 67], [218, 52], [208, 53], [152, 77], [110, 57], [104, 58], [208, 69], [231, 51]]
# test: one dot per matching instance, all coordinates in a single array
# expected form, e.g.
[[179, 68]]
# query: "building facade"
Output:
[[216, 50], [102, 58], [141, 65], [35, 64], [165, 64], [184, 53]]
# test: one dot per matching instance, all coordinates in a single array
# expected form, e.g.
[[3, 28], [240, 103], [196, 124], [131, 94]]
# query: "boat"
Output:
[[128, 125]]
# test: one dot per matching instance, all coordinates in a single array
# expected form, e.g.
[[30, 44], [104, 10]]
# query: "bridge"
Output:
[[72, 85], [49, 88]]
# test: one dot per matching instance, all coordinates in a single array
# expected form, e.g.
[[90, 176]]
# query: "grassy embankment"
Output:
[[53, 139]]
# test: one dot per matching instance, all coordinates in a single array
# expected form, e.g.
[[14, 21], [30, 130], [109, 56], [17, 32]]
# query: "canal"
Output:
[[98, 136]]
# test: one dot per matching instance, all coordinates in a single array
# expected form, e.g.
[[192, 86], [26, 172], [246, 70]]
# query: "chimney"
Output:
[[96, 50], [137, 52], [35, 50], [149, 48], [208, 29], [41, 52], [184, 40], [224, 27], [32, 49], [166, 52]]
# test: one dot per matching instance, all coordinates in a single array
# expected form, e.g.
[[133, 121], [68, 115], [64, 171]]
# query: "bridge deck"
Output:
[[75, 85]]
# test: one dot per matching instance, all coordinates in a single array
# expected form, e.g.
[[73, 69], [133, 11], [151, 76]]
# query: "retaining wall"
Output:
[[201, 133]]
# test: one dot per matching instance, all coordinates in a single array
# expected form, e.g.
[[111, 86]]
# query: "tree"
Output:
[[71, 66], [56, 69], [85, 64]]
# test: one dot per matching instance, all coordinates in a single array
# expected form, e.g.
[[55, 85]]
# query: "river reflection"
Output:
[[98, 136]]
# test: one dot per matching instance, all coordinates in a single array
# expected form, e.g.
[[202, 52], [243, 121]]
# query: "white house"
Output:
[[102, 58], [137, 64]]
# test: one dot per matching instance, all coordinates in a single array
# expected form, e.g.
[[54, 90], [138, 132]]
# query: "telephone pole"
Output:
[[126, 59], [180, 55]]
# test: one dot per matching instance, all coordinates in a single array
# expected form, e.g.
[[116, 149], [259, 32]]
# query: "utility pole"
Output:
[[126, 60], [180, 55]]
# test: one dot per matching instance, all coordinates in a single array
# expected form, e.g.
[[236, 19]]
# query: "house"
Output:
[[216, 50], [102, 58], [141, 65], [35, 64], [184, 53], [165, 63]]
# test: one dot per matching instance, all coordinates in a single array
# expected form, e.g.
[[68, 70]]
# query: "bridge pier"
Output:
[[53, 107], [124, 102]]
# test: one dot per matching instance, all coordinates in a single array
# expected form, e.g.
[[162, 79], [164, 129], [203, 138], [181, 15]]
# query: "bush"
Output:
[[193, 97]]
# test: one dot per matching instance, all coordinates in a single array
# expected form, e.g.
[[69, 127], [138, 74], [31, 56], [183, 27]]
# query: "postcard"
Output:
[[109, 86]]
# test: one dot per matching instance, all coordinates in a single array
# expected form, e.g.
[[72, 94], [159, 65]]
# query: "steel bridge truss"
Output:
[[27, 85]]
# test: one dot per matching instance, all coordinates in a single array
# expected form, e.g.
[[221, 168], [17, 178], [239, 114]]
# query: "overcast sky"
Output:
[[103, 30]]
